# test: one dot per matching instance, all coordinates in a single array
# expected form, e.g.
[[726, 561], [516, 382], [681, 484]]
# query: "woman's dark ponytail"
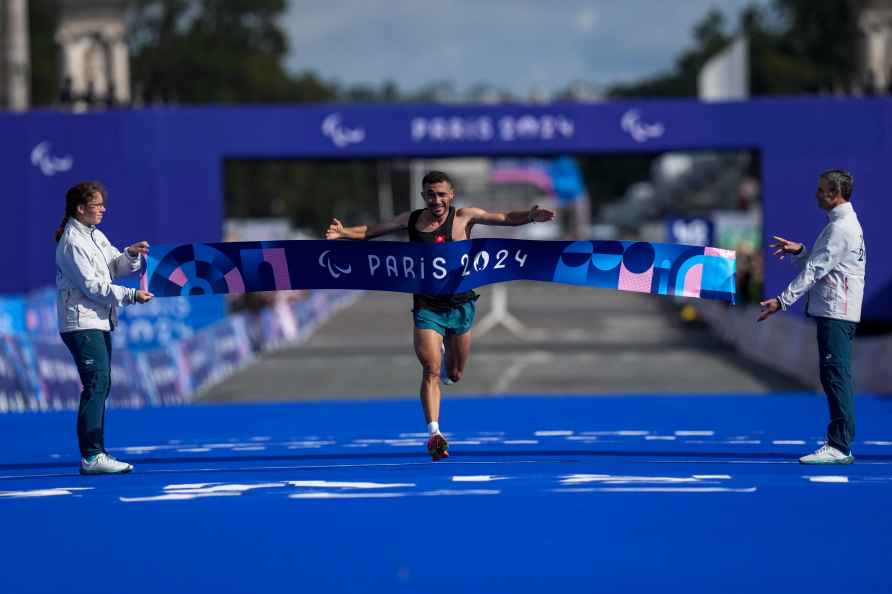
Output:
[[78, 195], [61, 228]]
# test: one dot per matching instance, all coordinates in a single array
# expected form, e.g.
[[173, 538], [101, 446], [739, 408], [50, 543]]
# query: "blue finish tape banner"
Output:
[[240, 267]]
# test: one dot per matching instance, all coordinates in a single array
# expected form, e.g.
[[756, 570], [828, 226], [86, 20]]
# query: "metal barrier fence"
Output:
[[787, 343], [37, 373]]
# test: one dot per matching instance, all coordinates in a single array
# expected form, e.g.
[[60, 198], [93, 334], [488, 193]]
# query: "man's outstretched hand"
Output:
[[769, 308], [782, 247]]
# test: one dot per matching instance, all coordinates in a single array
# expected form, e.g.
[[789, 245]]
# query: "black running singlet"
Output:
[[441, 234]]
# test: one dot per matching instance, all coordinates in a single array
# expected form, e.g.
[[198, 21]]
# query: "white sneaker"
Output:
[[827, 454], [103, 463]]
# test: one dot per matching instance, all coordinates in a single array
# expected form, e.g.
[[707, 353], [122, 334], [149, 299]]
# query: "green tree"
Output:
[[818, 37], [208, 51], [308, 193], [796, 46], [42, 22], [710, 36]]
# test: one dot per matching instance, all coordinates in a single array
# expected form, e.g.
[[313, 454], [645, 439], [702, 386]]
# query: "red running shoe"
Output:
[[438, 447]]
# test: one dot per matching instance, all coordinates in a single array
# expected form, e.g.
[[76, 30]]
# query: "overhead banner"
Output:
[[241, 267]]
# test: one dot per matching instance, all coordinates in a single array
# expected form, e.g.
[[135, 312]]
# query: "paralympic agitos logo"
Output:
[[640, 130], [43, 159], [325, 262], [340, 134]]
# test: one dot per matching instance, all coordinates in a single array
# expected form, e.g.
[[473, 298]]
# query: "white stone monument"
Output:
[[94, 59], [15, 68]]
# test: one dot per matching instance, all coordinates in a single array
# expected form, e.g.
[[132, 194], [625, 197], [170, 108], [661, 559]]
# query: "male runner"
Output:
[[440, 319]]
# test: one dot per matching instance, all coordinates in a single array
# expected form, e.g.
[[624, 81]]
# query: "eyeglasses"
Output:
[[95, 205]]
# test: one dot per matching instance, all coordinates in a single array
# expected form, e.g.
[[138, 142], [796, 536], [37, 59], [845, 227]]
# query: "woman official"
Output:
[[87, 305]]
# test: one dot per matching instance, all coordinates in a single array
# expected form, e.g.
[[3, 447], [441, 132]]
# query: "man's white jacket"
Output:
[[86, 264], [833, 272]]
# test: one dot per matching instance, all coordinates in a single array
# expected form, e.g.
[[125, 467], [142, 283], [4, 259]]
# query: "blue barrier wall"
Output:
[[163, 168]]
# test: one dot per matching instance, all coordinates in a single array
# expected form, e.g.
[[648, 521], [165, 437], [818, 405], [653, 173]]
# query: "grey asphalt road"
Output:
[[573, 340]]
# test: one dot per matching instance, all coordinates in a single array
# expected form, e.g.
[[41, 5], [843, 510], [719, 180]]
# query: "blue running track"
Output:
[[569, 494]]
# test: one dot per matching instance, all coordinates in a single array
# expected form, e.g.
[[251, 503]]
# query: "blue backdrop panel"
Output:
[[16, 195], [164, 167], [57, 151]]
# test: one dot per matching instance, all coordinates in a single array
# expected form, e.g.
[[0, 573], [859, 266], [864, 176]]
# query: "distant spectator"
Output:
[[90, 95], [66, 93]]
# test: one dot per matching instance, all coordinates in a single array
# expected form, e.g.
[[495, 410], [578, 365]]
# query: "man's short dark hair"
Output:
[[435, 177], [839, 182]]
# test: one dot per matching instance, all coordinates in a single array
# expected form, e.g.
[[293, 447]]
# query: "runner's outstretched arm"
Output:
[[337, 230], [508, 219]]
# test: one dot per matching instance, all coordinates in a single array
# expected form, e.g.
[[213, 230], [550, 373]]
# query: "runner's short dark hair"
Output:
[[435, 177]]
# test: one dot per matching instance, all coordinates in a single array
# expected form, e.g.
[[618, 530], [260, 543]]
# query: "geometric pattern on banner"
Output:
[[239, 267]]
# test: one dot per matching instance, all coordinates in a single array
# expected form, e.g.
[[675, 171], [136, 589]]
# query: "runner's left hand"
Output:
[[540, 215]]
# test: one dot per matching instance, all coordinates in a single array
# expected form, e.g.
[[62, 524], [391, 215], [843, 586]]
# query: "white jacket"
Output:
[[833, 273], [86, 264]]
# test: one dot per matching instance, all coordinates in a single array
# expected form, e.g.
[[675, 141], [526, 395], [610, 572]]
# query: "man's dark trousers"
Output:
[[835, 350], [91, 350]]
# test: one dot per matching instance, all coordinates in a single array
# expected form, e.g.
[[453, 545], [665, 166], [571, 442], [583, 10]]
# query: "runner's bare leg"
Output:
[[428, 348], [458, 349]]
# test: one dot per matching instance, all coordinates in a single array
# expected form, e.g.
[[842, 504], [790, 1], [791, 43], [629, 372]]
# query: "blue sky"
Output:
[[519, 45]]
